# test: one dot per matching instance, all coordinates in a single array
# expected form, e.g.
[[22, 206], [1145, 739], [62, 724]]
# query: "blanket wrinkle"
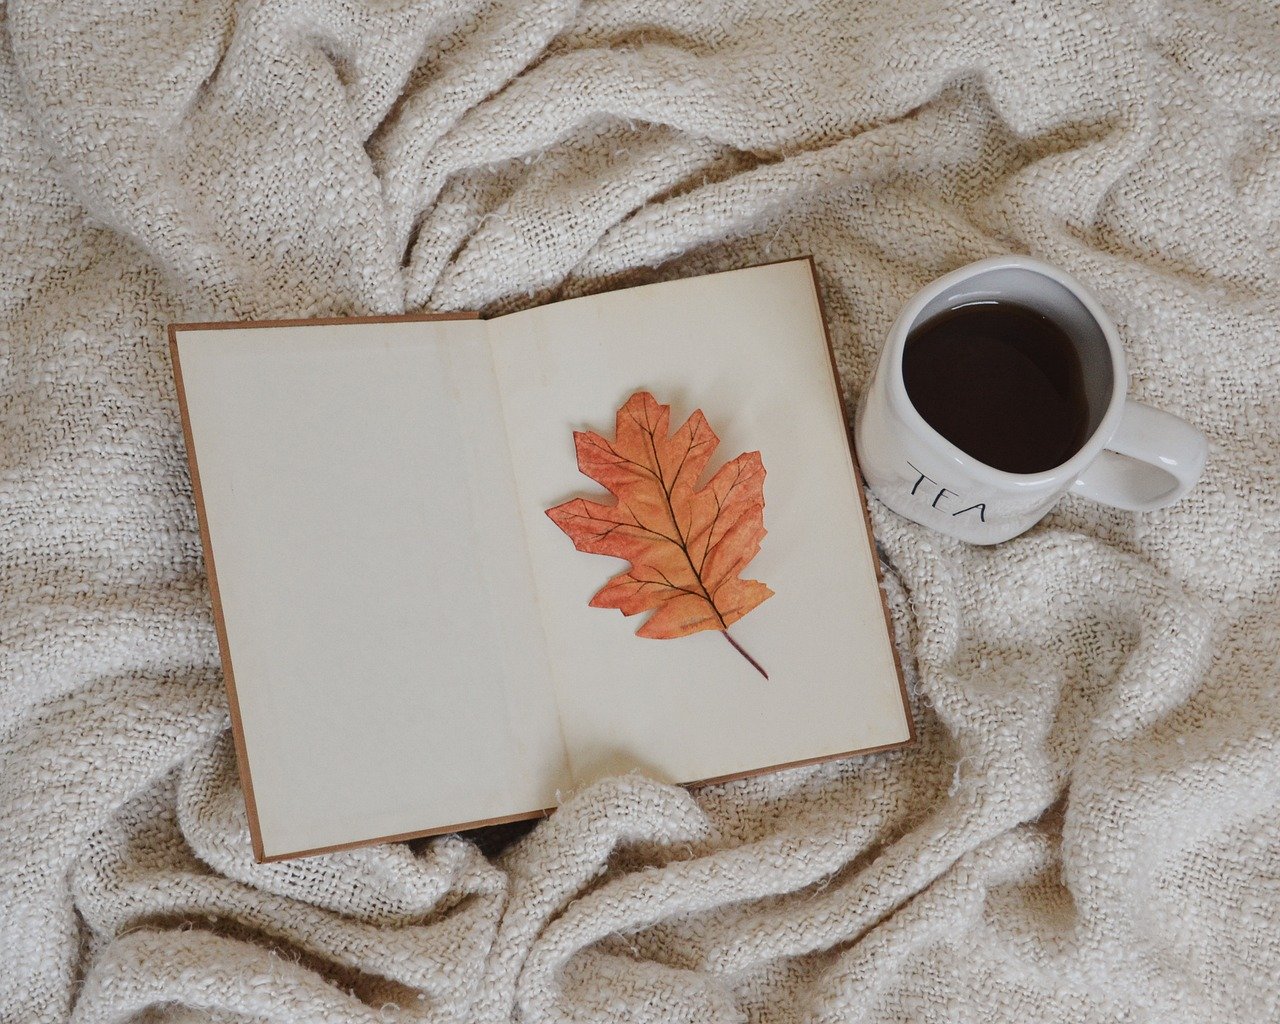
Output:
[[1086, 830]]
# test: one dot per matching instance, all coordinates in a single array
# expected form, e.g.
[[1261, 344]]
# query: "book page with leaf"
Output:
[[748, 350], [374, 582]]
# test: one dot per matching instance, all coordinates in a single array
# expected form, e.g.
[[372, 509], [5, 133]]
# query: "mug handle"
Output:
[[1158, 446]]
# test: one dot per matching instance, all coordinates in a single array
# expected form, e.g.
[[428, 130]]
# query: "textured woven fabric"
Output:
[[1087, 829]]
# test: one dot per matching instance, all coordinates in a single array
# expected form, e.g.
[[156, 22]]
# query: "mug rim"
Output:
[[1093, 444]]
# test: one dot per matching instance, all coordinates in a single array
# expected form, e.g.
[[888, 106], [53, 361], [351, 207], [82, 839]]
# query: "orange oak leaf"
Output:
[[686, 545]]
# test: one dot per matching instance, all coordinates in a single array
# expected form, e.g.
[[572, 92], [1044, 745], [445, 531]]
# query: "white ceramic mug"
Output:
[[1134, 457]]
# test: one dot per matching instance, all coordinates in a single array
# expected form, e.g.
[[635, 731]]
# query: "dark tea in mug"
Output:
[[1001, 382]]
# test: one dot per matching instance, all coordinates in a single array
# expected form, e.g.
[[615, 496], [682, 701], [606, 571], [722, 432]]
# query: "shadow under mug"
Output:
[[1134, 457]]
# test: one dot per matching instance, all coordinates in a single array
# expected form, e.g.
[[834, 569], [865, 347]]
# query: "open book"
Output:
[[406, 636]]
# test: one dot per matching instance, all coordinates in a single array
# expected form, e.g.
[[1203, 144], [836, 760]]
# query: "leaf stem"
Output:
[[738, 647]]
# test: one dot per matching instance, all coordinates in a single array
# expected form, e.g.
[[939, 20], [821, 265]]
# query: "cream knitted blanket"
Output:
[[1087, 829]]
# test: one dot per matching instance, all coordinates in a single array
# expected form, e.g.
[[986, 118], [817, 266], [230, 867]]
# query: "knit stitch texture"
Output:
[[1087, 830]]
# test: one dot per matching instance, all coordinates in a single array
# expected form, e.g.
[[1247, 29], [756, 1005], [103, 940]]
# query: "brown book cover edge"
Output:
[[224, 648]]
